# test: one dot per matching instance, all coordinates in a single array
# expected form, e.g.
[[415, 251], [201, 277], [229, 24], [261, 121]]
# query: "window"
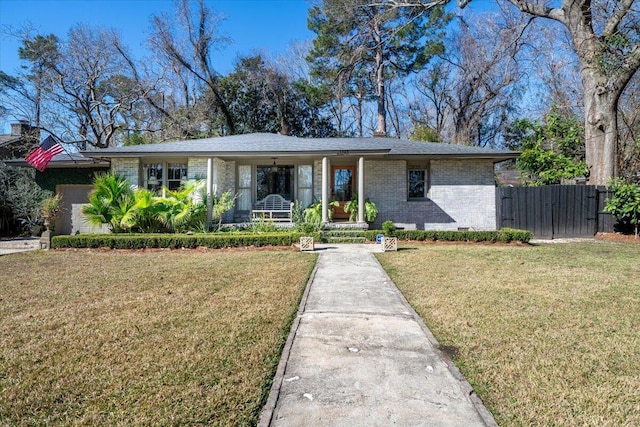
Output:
[[417, 182], [176, 173], [153, 176], [157, 175], [244, 187], [274, 180], [305, 185]]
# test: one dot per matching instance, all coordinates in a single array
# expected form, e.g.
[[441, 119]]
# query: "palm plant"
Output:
[[183, 209], [110, 202]]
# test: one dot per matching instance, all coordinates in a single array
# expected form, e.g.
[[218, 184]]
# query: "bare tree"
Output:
[[466, 97], [428, 109], [604, 34], [187, 49], [555, 73], [92, 93], [629, 130], [486, 66]]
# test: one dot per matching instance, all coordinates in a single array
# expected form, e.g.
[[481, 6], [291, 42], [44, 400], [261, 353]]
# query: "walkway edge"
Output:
[[482, 410], [267, 411]]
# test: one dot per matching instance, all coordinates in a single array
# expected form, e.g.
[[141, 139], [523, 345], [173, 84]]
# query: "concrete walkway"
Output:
[[358, 355]]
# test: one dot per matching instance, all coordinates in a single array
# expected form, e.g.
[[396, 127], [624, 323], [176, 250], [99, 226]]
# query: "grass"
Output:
[[146, 337], [547, 335]]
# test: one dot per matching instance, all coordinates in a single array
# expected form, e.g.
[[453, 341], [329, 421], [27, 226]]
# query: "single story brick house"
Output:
[[414, 184]]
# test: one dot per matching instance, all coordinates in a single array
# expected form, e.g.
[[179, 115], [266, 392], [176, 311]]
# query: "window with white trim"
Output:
[[244, 188], [271, 179], [305, 185], [417, 182], [160, 174]]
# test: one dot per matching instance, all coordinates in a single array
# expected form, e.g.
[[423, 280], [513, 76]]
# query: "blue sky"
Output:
[[253, 25]]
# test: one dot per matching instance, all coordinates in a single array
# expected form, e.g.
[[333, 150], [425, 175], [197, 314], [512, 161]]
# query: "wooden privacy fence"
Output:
[[554, 211]]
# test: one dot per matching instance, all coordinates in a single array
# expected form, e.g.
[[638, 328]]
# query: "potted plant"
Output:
[[313, 214], [370, 209], [50, 208], [389, 241]]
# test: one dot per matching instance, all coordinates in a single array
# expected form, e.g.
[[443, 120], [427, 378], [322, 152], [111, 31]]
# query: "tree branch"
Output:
[[630, 66], [415, 3], [611, 27], [539, 10]]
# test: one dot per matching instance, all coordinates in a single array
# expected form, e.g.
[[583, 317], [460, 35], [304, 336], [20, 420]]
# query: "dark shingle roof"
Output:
[[265, 144], [64, 160]]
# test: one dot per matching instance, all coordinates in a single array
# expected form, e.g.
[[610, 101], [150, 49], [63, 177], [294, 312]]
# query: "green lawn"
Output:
[[547, 335], [147, 337]]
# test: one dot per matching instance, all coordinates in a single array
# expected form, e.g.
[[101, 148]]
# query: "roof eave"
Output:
[[288, 153], [21, 163], [496, 157]]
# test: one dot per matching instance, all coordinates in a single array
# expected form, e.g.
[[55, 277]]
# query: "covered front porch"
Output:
[[337, 178]]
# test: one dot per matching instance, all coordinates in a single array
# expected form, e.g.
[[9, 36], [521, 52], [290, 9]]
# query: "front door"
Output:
[[342, 188]]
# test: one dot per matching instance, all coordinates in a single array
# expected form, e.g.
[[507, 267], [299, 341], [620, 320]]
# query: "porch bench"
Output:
[[273, 207]]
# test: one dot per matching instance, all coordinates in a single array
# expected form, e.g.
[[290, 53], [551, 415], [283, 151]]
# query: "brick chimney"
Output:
[[24, 130], [20, 128]]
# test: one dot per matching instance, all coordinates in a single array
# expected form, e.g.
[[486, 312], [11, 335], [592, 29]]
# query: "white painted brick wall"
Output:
[[197, 168], [227, 178], [317, 180], [127, 168], [385, 184], [465, 190], [223, 173], [462, 194]]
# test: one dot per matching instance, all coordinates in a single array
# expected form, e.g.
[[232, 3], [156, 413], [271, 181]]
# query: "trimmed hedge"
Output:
[[505, 235], [233, 240], [174, 241]]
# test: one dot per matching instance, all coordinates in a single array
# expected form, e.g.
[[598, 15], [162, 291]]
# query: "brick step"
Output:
[[344, 240], [345, 226], [343, 233]]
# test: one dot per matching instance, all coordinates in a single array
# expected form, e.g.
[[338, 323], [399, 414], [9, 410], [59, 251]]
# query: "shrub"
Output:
[[505, 235], [624, 203], [20, 200], [175, 241], [388, 228], [263, 226], [112, 202], [221, 205], [183, 209], [116, 203]]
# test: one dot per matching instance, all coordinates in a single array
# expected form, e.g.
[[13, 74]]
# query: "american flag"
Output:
[[41, 156]]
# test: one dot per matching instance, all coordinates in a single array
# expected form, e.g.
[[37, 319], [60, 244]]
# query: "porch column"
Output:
[[325, 190], [209, 192], [361, 190]]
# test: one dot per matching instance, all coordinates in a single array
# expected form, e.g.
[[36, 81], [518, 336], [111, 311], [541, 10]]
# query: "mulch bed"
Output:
[[618, 237]]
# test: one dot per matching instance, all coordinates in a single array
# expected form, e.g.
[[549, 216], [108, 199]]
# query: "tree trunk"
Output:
[[359, 114], [381, 130], [601, 127]]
